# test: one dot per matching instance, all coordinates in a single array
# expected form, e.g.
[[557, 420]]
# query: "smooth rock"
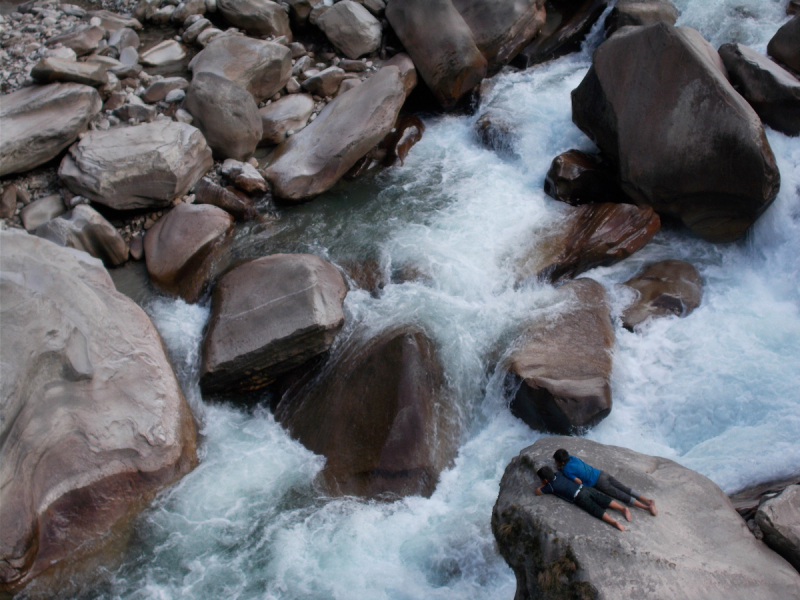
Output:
[[137, 247], [124, 38], [188, 8], [408, 72], [140, 112], [785, 45], [407, 131], [441, 45], [52, 70], [205, 36], [351, 29], [710, 165], [61, 52], [289, 113], [310, 162], [668, 287], [697, 546], [182, 247], [497, 129], [560, 369], [244, 176], [269, 316], [41, 211], [577, 178], [165, 53], [639, 13], [38, 122], [770, 89], [779, 521], [145, 166], [237, 204], [262, 68], [379, 412], [194, 30], [83, 228], [324, 83], [129, 56], [8, 202], [93, 423], [226, 114], [145, 9], [257, 17], [163, 15], [112, 21], [158, 90], [82, 40], [299, 10]]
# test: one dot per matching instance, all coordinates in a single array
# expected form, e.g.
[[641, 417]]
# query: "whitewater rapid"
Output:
[[717, 391]]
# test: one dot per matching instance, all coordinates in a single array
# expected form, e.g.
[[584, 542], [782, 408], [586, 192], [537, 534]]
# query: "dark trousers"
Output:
[[612, 487], [592, 501]]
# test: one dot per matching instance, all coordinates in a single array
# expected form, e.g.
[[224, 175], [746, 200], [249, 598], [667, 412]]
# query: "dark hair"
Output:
[[546, 473], [561, 456]]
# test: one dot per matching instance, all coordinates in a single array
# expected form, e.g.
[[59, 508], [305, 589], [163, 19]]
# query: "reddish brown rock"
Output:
[[406, 132], [230, 200], [638, 13], [577, 178], [785, 45], [669, 287]]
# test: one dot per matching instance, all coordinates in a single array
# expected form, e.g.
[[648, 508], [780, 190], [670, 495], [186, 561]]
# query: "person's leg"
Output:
[[611, 521], [611, 486], [597, 503], [623, 509]]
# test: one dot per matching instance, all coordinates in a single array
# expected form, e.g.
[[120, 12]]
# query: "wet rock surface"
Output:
[[668, 287], [577, 178]]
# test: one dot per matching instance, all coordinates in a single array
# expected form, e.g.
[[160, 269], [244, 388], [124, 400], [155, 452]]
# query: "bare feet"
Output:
[[647, 501], [619, 526], [652, 509], [627, 512]]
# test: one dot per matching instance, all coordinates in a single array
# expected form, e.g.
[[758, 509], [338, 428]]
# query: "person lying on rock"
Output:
[[579, 472], [589, 499]]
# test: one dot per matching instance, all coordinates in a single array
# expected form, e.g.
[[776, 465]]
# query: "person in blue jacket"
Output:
[[578, 471]]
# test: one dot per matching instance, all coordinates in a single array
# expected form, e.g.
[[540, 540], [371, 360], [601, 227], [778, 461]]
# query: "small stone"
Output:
[[41, 211], [293, 86], [183, 117]]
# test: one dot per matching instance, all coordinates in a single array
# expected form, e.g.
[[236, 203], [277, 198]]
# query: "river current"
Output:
[[718, 391]]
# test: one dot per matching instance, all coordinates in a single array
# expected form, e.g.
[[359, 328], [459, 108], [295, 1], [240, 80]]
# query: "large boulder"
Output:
[[290, 113], [441, 45], [182, 247], [379, 413], [257, 17], [351, 29], [785, 45], [770, 89], [83, 228], [577, 178], [311, 161], [145, 166], [638, 13], [502, 28], [226, 114], [668, 287], [39, 122], [779, 520], [591, 235], [92, 419], [697, 546], [269, 316], [560, 369], [262, 68], [685, 142]]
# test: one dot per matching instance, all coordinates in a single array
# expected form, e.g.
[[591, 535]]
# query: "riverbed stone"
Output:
[[165, 53], [187, 8], [144, 166], [577, 177], [8, 202], [124, 38], [408, 72], [379, 412], [779, 521], [312, 161], [638, 13], [82, 40], [785, 45], [351, 28], [112, 21], [158, 90], [83, 228], [194, 30], [697, 546], [324, 83], [441, 45], [770, 89], [239, 205], [290, 113], [93, 424], [262, 68], [51, 70], [257, 17], [40, 211], [710, 166], [226, 114], [182, 247], [269, 316], [560, 369], [39, 122], [668, 287]]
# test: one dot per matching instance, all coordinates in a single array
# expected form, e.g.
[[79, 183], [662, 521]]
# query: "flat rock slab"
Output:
[[39, 122], [257, 17], [262, 68], [351, 28], [561, 368], [697, 547], [92, 419], [52, 70], [785, 45], [83, 228], [165, 53], [665, 288], [290, 113], [145, 166], [312, 161], [779, 521], [269, 316], [685, 142]]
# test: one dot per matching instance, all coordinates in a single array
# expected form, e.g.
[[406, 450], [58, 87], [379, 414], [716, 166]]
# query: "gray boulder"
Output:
[[182, 248], [779, 521], [145, 166], [785, 45], [52, 70], [269, 316], [408, 72], [39, 122], [124, 38], [262, 68], [257, 17], [158, 90], [310, 162], [83, 228], [441, 45], [290, 113], [40, 211], [697, 546], [771, 90], [560, 369], [709, 165], [351, 29], [638, 13], [668, 287], [92, 419], [226, 114], [325, 83], [82, 40]]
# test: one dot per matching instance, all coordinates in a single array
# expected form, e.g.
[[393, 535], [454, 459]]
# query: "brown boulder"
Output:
[[83, 228], [785, 45], [577, 178], [52, 70], [182, 247], [257, 17], [269, 316], [560, 370], [669, 287], [379, 414], [230, 200], [638, 13]]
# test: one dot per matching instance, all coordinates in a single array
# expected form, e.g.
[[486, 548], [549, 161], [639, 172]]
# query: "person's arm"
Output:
[[577, 480], [538, 490]]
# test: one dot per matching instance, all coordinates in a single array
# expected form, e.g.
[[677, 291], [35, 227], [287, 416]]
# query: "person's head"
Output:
[[546, 474], [561, 457]]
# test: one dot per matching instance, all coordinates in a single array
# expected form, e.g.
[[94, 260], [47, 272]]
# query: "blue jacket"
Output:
[[575, 467]]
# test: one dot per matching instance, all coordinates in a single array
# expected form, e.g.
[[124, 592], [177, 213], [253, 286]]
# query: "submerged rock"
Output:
[[697, 546], [638, 13], [92, 419], [779, 521], [709, 165], [496, 129], [785, 45], [83, 228], [668, 287], [560, 370], [577, 178]]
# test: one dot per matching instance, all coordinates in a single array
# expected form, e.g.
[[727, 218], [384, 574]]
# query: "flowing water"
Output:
[[716, 391]]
